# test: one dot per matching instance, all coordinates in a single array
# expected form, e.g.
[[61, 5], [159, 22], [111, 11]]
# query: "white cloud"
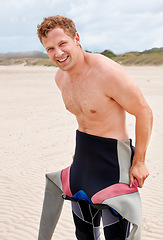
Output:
[[118, 25]]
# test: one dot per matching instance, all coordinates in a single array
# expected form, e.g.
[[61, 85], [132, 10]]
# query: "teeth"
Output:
[[62, 60]]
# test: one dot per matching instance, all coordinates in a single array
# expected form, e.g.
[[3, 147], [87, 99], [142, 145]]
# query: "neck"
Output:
[[79, 67]]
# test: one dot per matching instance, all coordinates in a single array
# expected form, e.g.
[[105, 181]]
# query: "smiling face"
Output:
[[61, 48]]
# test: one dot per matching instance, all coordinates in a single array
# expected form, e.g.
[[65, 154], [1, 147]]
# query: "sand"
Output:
[[37, 135]]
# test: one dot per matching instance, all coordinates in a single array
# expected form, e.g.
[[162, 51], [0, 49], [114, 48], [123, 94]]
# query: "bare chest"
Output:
[[84, 97]]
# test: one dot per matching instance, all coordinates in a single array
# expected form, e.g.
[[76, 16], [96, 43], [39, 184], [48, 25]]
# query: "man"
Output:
[[98, 92]]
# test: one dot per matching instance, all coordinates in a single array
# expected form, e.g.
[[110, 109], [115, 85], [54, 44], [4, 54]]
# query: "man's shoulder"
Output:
[[101, 62], [58, 73], [58, 77], [104, 66]]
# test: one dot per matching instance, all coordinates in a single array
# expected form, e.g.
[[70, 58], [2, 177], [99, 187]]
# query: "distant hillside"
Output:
[[153, 56], [148, 57], [16, 55], [25, 58], [154, 50]]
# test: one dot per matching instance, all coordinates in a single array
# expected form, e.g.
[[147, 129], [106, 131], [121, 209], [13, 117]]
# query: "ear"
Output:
[[77, 39]]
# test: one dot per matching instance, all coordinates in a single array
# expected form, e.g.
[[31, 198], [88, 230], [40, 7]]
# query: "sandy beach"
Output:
[[38, 136]]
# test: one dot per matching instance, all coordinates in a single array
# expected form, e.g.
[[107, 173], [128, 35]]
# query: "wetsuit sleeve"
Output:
[[51, 211]]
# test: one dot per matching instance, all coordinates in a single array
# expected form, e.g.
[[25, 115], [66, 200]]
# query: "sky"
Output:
[[117, 25]]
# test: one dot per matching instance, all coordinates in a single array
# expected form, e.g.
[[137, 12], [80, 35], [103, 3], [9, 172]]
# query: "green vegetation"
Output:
[[141, 59], [27, 62], [148, 57], [25, 58], [108, 54]]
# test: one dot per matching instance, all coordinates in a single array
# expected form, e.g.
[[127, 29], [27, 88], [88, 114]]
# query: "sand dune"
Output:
[[38, 136]]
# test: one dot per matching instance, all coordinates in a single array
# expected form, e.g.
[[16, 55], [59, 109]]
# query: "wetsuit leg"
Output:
[[115, 227], [87, 220]]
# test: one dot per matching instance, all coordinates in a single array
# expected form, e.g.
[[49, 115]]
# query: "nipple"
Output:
[[92, 111]]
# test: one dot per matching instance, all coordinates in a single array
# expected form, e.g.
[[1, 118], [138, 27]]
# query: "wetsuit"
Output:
[[97, 182]]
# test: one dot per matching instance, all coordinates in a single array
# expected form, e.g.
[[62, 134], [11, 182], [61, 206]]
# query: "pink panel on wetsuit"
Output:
[[113, 191], [65, 178]]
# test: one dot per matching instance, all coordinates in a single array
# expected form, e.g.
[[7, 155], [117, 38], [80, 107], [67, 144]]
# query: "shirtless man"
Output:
[[98, 92]]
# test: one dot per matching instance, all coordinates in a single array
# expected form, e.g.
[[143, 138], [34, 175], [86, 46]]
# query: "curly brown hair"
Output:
[[57, 21]]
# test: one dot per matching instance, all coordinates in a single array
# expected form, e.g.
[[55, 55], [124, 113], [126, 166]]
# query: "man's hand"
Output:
[[140, 172]]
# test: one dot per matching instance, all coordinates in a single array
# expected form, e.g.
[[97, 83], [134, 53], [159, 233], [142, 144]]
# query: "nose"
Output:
[[58, 52]]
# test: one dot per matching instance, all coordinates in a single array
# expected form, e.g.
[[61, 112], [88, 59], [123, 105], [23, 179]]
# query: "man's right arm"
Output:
[[58, 77]]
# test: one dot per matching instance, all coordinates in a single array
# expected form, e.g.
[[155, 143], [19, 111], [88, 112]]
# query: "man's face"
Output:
[[61, 48]]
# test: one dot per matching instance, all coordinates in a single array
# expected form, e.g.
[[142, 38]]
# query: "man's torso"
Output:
[[86, 97]]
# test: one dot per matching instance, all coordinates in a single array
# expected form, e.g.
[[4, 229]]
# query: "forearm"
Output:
[[143, 128]]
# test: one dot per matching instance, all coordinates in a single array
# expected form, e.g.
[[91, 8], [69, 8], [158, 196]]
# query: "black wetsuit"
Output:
[[95, 167], [97, 182]]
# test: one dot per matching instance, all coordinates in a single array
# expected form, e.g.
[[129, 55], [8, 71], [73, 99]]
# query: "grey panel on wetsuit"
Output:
[[52, 207], [129, 207], [124, 160], [55, 177]]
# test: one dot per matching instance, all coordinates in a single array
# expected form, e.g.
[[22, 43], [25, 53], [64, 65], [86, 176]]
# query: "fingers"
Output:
[[140, 172], [142, 180], [140, 183], [131, 179], [139, 180]]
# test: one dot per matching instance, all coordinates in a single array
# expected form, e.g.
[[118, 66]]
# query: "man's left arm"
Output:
[[143, 128], [124, 91]]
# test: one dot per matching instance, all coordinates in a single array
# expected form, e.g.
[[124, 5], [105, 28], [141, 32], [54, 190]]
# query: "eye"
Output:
[[62, 43], [49, 49]]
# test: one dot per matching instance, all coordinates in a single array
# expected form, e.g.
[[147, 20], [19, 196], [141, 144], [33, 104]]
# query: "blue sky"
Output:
[[117, 25]]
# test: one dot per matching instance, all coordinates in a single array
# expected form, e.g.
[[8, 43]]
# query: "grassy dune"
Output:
[[148, 57], [140, 59], [27, 62]]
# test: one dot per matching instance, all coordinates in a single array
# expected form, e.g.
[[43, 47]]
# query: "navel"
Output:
[[92, 111]]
